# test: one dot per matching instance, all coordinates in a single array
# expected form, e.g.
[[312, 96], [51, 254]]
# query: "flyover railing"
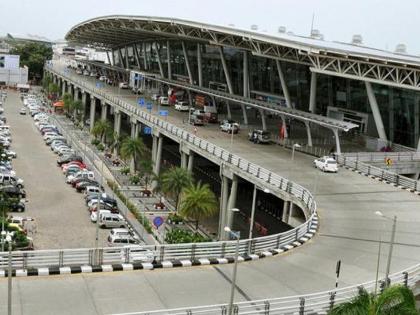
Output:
[[381, 156], [383, 174], [314, 303]]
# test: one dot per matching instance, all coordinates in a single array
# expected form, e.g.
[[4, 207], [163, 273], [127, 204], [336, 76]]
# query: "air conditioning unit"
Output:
[[357, 39]]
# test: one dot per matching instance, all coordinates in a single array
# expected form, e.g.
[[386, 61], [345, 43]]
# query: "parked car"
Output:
[[68, 158], [326, 164], [122, 232], [259, 136], [163, 100], [22, 111], [94, 215], [123, 85], [80, 175], [13, 191], [196, 120], [102, 78], [82, 184], [10, 154], [229, 126], [111, 220], [10, 179], [18, 206], [92, 190], [120, 240], [182, 106]]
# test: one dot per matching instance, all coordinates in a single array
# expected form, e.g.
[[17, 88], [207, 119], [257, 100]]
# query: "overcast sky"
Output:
[[382, 23]]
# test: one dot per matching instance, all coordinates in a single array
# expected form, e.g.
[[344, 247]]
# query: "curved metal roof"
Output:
[[120, 30]]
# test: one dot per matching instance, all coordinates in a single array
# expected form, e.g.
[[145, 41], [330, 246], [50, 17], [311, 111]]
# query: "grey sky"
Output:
[[382, 23]]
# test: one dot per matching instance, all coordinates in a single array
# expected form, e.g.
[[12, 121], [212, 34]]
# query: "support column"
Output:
[[229, 113], [232, 201], [127, 64], [183, 160], [375, 111], [113, 57], [158, 154], [200, 66], [187, 63], [108, 58], [168, 56], [63, 89], [283, 120], [121, 58], [337, 141], [312, 97], [190, 161], [137, 129], [226, 70], [92, 111], [308, 133], [246, 85], [117, 121], [104, 110], [284, 87], [264, 123], [416, 116], [291, 210], [136, 55], [154, 148], [285, 214], [159, 61], [133, 125], [145, 57], [223, 206]]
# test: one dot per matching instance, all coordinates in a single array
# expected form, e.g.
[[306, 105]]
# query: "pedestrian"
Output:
[[195, 131]]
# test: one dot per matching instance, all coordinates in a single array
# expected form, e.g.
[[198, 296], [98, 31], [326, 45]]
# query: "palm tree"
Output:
[[76, 107], [68, 102], [396, 299], [146, 170], [101, 128], [174, 181], [132, 149], [198, 202], [116, 140]]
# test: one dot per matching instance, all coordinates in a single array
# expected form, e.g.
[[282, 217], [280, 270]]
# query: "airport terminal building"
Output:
[[379, 91]]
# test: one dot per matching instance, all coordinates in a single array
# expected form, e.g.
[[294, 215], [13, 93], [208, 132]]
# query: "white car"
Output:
[[103, 78], [11, 154], [81, 174], [123, 85], [326, 164], [122, 232], [163, 100], [182, 106], [94, 214], [155, 97]]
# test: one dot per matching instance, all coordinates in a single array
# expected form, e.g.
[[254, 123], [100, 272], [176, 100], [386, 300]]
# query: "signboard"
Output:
[[163, 113], [141, 102], [149, 106], [200, 100], [99, 85], [157, 222], [388, 161], [147, 131], [9, 61]]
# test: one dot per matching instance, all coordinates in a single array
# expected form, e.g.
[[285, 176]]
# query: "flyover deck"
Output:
[[349, 231]]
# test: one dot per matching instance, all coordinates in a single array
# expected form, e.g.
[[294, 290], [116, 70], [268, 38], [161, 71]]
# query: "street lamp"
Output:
[[9, 276], [3, 236], [236, 235], [254, 201], [391, 245], [296, 145]]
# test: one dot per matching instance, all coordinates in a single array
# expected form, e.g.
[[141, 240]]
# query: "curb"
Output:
[[50, 271]]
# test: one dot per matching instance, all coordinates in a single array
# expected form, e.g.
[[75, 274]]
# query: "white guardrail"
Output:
[[165, 252], [381, 156], [370, 170]]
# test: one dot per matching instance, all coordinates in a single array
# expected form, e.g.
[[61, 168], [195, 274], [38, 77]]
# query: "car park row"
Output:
[[101, 207]]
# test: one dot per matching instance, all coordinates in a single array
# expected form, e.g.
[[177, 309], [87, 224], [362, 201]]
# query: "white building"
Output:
[[10, 72]]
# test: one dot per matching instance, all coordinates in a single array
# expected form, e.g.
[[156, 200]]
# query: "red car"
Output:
[[78, 163]]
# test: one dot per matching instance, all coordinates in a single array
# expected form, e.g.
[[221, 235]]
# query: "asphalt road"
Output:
[[61, 217]]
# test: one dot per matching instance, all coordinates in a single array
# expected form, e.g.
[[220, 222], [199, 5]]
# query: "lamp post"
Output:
[[3, 236], [9, 276], [296, 145], [236, 235], [254, 201], [391, 245], [99, 206]]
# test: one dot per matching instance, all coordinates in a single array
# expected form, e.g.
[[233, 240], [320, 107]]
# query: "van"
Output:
[[111, 220], [92, 190]]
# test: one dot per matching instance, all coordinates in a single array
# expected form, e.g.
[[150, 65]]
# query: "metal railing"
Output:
[[385, 175], [381, 156], [314, 303]]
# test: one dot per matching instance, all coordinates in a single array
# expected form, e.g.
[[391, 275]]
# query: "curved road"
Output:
[[349, 230]]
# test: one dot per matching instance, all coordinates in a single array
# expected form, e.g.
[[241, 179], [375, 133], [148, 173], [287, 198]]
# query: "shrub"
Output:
[[178, 236], [95, 142], [174, 218], [100, 147], [135, 179], [125, 170]]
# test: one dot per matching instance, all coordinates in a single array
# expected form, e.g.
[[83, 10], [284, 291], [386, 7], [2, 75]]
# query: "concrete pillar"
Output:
[[223, 206], [158, 154], [291, 212], [183, 160], [187, 63], [92, 111], [263, 120], [154, 148], [308, 133], [190, 161], [226, 70], [104, 110], [416, 116], [284, 87], [133, 130], [108, 58], [285, 214], [122, 64], [117, 121], [200, 66], [137, 129], [375, 111], [63, 88], [232, 201], [157, 50], [136, 55], [283, 120], [127, 63], [146, 66], [337, 141], [312, 96], [168, 56], [229, 113]]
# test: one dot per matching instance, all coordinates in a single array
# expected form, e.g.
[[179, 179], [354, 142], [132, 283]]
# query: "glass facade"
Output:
[[399, 107]]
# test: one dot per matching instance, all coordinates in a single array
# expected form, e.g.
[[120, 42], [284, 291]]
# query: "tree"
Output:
[[116, 140], [174, 181], [132, 149], [198, 202], [100, 129], [146, 170], [68, 102], [33, 55], [396, 299], [76, 107]]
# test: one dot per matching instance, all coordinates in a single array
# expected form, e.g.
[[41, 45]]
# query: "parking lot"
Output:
[[61, 218]]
